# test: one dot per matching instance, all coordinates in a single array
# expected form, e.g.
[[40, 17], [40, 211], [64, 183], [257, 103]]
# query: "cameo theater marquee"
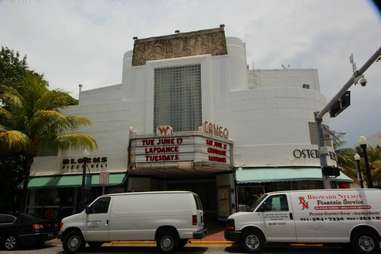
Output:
[[183, 160], [190, 96]]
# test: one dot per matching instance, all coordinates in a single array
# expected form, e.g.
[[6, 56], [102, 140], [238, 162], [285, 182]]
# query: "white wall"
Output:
[[266, 111]]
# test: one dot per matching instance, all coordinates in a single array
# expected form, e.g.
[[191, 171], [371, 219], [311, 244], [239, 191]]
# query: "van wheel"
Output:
[[252, 241], [167, 241], [73, 242], [10, 242], [365, 242]]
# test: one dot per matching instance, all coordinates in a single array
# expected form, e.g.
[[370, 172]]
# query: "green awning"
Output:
[[71, 180], [282, 174]]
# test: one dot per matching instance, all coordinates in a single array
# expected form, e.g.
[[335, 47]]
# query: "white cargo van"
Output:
[[311, 216], [170, 218]]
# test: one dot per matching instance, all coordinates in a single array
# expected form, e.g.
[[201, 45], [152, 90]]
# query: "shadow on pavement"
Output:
[[117, 249], [290, 249], [37, 247]]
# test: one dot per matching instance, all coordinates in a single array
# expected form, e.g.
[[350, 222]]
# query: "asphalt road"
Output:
[[55, 247]]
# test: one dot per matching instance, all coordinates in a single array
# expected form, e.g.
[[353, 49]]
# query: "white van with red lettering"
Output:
[[311, 216]]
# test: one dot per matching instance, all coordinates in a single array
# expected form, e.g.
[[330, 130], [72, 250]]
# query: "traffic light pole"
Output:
[[320, 114], [322, 151]]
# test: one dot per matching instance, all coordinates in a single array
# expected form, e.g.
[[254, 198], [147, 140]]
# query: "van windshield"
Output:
[[258, 201]]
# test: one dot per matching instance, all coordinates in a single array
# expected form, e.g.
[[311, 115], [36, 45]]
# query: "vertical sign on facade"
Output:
[[103, 179]]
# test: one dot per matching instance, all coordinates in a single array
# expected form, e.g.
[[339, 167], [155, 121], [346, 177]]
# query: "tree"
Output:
[[374, 156], [13, 67], [31, 118], [346, 161]]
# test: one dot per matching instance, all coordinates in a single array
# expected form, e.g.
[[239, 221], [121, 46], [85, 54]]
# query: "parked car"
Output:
[[311, 216], [169, 217], [23, 229]]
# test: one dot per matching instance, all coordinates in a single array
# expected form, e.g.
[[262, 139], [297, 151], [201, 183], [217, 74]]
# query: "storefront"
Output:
[[253, 182], [58, 196]]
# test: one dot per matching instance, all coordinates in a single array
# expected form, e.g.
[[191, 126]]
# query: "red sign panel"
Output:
[[103, 177]]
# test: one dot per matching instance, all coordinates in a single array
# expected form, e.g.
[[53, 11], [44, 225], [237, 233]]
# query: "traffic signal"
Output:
[[340, 104], [331, 171]]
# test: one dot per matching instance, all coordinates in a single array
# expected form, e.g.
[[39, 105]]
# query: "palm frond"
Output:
[[51, 122], [76, 141], [52, 100], [11, 96], [13, 141], [77, 121], [4, 114], [3, 128]]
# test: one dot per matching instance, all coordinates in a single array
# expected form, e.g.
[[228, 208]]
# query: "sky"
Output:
[[83, 42]]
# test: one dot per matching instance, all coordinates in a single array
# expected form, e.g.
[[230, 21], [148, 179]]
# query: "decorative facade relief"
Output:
[[210, 41]]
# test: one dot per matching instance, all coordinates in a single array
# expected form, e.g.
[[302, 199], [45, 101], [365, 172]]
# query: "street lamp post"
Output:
[[363, 144], [359, 174], [83, 196]]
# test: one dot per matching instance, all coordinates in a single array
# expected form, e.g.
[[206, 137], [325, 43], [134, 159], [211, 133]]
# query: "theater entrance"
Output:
[[206, 190]]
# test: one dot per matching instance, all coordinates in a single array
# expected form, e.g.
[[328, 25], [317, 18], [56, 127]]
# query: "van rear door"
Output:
[[200, 213]]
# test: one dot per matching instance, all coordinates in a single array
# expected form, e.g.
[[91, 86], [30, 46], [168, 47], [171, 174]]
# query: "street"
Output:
[[54, 247]]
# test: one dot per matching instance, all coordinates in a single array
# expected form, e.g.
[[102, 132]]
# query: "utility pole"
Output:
[[357, 77]]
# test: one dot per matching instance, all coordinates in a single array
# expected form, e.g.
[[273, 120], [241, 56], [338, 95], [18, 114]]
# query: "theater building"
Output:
[[189, 114]]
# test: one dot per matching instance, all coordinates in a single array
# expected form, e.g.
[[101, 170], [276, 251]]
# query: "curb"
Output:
[[210, 242]]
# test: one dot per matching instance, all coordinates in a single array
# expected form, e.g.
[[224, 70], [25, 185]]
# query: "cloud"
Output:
[[74, 42]]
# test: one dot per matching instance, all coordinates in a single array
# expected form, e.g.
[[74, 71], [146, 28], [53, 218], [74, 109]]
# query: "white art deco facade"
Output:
[[266, 113]]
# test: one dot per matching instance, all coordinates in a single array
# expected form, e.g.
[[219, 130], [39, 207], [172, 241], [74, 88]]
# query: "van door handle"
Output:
[[291, 216], [107, 222]]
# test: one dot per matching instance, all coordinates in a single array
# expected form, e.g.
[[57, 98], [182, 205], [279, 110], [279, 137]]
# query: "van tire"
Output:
[[365, 242], [167, 241], [73, 241], [252, 240]]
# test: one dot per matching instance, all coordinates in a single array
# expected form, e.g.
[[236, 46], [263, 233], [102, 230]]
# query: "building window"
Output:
[[306, 86], [178, 97]]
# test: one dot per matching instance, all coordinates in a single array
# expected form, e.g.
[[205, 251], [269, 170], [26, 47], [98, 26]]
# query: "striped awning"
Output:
[[55, 181], [283, 174]]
